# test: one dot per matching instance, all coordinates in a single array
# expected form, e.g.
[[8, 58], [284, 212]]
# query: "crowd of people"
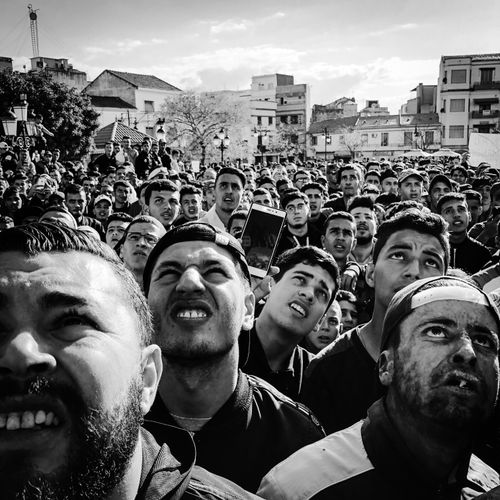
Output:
[[140, 359]]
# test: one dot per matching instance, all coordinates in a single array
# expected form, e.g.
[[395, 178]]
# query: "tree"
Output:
[[289, 141], [194, 119], [351, 140], [66, 112]]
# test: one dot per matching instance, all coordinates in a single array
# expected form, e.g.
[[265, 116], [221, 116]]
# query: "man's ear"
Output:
[[323, 241], [152, 368], [386, 367], [341, 328], [369, 274], [248, 318]]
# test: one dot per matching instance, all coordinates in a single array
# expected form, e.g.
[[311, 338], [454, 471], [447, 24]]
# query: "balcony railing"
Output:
[[494, 113], [486, 85]]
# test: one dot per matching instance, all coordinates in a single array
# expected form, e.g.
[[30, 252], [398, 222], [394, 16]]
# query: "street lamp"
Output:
[[328, 139], [221, 141], [160, 132], [262, 141]]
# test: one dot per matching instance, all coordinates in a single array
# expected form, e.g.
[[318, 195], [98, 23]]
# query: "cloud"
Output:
[[122, 46], [393, 29], [230, 25]]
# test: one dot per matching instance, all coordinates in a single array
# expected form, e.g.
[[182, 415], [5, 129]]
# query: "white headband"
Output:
[[448, 293]]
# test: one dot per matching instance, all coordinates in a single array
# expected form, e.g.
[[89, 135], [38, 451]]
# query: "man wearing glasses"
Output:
[[140, 237]]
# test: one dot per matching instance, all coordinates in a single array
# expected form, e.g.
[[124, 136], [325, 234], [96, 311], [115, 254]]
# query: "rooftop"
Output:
[[115, 132], [100, 101], [143, 81]]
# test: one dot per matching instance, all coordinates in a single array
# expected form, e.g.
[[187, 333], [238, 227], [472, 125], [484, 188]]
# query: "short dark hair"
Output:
[[261, 191], [449, 197], [232, 171], [362, 201], [414, 220], [293, 194], [238, 214], [401, 206], [119, 216], [159, 185], [311, 256], [347, 296], [313, 185], [74, 189], [190, 189], [41, 237], [10, 191], [461, 169], [338, 215], [349, 166], [265, 180], [301, 171]]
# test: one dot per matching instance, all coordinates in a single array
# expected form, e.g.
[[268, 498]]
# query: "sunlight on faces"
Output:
[[339, 239], [349, 182], [164, 206], [445, 368], [200, 302], [70, 314], [350, 314], [411, 189], [456, 214], [299, 299], [406, 257], [115, 231], [315, 201], [228, 191], [297, 213], [327, 331], [366, 224]]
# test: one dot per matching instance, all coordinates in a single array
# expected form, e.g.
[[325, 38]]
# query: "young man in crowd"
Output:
[[438, 366], [122, 193], [315, 192], [229, 186], [103, 207], [339, 383], [198, 286], [76, 201], [410, 185], [466, 253], [300, 294], [363, 210], [74, 426], [349, 308], [297, 231], [350, 179], [140, 236], [191, 199], [117, 224], [438, 187], [162, 198], [324, 333]]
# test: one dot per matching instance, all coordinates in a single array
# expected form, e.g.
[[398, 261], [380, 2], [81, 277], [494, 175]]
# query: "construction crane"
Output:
[[34, 30]]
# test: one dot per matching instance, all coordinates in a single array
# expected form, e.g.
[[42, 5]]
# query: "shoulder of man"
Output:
[[301, 414], [318, 467], [483, 477]]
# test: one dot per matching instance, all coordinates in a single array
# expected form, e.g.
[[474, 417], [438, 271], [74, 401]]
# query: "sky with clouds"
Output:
[[354, 48]]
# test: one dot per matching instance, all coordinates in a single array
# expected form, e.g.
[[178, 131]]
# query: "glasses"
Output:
[[148, 238]]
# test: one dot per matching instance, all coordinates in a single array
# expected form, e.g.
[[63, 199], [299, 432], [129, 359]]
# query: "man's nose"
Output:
[[190, 281], [24, 354]]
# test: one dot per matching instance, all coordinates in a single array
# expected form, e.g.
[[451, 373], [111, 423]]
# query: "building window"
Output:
[[270, 120], [458, 76], [364, 138], [149, 106], [294, 119], [408, 138], [294, 139], [443, 106], [384, 139], [150, 131], [314, 140], [259, 120], [284, 119], [486, 75], [457, 132], [457, 105], [429, 137], [341, 139], [300, 119]]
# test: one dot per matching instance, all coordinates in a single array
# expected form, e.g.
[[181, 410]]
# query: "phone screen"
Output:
[[260, 237]]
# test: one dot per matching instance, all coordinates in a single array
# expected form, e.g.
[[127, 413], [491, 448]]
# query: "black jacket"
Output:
[[255, 429]]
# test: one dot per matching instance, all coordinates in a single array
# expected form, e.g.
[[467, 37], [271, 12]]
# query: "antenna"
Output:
[[34, 30]]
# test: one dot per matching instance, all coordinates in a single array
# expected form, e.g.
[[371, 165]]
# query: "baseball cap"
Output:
[[103, 197], [426, 291], [409, 172], [158, 171], [3, 145], [195, 231], [441, 178]]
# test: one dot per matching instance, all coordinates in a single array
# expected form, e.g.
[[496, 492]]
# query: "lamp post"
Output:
[[328, 139], [16, 125], [262, 141], [221, 141], [160, 132]]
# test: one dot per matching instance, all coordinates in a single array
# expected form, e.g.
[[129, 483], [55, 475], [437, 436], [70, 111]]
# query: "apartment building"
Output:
[[468, 95]]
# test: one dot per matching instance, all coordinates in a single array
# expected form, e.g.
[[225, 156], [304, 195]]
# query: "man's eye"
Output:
[[432, 263], [484, 341], [397, 256], [435, 332]]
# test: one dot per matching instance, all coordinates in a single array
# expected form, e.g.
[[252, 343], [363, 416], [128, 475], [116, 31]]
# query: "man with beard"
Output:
[[76, 201], [139, 238], [198, 286], [122, 192], [349, 178], [363, 211], [389, 181], [438, 366], [78, 373], [229, 186], [338, 385], [162, 198], [297, 231], [466, 253]]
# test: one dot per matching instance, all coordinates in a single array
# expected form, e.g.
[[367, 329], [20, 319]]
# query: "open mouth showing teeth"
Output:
[[192, 314], [28, 420], [466, 382], [298, 309]]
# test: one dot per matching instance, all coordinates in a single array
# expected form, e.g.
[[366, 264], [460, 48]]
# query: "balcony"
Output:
[[493, 113], [486, 85]]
